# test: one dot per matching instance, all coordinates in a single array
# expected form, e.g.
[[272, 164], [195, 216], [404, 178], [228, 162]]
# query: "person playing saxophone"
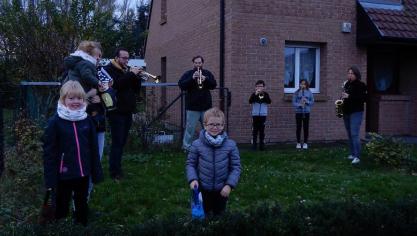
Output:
[[354, 97]]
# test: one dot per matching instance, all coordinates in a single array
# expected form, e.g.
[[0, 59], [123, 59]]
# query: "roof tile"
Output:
[[396, 23]]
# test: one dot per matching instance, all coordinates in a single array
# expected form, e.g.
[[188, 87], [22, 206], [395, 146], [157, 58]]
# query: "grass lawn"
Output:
[[155, 184]]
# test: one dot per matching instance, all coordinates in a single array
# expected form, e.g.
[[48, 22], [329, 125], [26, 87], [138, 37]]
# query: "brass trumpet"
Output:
[[200, 78], [261, 95], [145, 76]]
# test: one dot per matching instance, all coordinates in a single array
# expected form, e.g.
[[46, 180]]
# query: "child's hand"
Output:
[[193, 183], [225, 191]]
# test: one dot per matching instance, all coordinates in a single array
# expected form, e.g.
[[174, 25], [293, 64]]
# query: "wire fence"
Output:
[[159, 122]]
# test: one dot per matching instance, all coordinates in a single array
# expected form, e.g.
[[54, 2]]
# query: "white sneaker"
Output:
[[356, 160], [298, 146], [350, 157], [305, 146]]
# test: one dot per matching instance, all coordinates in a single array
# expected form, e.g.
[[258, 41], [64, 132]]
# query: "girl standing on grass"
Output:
[[302, 101], [213, 163], [71, 153]]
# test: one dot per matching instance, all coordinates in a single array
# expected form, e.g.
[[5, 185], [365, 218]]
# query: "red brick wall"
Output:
[[408, 86], [394, 113], [192, 28]]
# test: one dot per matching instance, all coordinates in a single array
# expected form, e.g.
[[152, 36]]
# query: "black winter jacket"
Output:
[[357, 97], [82, 71], [70, 151], [127, 86], [197, 99]]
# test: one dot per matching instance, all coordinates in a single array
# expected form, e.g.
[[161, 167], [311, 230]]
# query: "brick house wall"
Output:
[[192, 27]]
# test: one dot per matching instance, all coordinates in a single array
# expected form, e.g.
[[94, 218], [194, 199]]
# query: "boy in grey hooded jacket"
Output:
[[213, 163]]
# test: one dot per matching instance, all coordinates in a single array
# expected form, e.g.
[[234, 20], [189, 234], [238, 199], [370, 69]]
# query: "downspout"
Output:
[[222, 56]]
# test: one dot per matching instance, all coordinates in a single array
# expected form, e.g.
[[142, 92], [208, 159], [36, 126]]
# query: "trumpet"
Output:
[[200, 78], [261, 95], [145, 76]]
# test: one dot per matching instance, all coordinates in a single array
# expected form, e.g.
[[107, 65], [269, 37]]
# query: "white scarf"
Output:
[[215, 141], [71, 115], [84, 56]]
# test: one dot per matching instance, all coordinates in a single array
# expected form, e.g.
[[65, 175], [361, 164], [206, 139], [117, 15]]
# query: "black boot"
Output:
[[254, 146], [262, 146]]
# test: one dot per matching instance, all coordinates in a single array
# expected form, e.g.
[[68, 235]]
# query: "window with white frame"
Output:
[[301, 62]]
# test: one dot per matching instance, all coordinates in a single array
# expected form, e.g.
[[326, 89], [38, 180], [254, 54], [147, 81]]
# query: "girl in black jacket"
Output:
[[71, 153]]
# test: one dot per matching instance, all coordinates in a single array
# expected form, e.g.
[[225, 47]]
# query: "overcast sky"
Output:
[[132, 3]]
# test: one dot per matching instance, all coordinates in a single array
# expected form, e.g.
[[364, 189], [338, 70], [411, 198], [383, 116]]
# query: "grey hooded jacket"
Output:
[[213, 167]]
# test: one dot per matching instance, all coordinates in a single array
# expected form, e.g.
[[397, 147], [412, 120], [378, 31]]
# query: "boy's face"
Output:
[[73, 102], [214, 126], [259, 87]]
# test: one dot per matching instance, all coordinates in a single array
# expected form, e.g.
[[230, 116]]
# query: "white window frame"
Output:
[[297, 67]]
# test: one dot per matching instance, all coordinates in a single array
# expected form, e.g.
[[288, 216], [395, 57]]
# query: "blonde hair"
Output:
[[71, 87], [89, 47], [213, 112]]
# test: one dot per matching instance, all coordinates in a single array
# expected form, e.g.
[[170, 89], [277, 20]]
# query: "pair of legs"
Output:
[[76, 189], [119, 128], [302, 121], [353, 124], [191, 121], [100, 140], [258, 127], [213, 203]]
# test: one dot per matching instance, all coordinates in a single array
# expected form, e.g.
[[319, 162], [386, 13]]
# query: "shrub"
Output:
[[20, 185], [387, 150], [325, 218]]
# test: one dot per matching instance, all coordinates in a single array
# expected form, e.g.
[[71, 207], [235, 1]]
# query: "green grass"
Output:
[[155, 184]]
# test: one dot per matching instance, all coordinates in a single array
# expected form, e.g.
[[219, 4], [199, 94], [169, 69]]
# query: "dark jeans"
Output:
[[78, 189], [302, 120], [353, 125], [258, 126], [213, 202], [119, 129]]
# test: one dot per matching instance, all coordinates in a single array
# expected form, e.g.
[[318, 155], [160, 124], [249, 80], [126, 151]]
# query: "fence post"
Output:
[[1, 136]]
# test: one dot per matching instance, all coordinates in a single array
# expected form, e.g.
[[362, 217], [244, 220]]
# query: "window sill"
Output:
[[317, 97]]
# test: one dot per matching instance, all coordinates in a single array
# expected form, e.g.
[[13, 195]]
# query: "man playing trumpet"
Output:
[[197, 84], [127, 83]]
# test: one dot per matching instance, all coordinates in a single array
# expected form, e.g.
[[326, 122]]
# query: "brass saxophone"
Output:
[[339, 103]]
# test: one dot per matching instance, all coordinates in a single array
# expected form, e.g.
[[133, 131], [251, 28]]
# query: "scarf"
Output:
[[118, 66], [215, 141], [84, 56], [71, 115]]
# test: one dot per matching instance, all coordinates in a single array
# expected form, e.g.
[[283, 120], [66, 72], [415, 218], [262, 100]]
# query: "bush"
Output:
[[20, 184], [388, 151], [326, 218]]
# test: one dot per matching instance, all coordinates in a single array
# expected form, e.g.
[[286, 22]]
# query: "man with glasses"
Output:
[[197, 84], [126, 83]]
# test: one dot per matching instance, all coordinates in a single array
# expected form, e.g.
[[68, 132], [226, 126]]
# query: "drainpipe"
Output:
[[222, 42]]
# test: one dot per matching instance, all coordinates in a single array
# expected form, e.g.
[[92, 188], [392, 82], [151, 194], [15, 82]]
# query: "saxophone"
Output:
[[339, 103]]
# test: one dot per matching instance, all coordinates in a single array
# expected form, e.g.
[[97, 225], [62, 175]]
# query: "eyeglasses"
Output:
[[217, 125], [124, 58]]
